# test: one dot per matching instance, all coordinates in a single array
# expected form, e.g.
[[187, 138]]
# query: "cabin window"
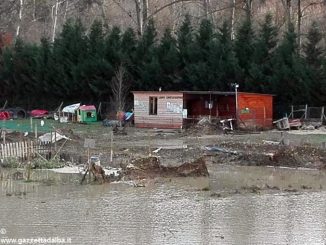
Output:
[[152, 105], [89, 114]]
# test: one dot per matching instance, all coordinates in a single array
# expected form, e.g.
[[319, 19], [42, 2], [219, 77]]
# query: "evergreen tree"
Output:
[[128, 47], [113, 47], [96, 69], [128, 52], [96, 40], [222, 60], [169, 61], [70, 50], [185, 44], [289, 73], [199, 73], [314, 59], [261, 67], [148, 67], [24, 73], [44, 69], [244, 48]]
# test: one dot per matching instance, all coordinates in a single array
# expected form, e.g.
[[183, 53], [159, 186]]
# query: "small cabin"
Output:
[[86, 114], [177, 109]]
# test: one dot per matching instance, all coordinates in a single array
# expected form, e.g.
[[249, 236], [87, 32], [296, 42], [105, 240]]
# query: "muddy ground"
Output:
[[230, 158], [174, 147]]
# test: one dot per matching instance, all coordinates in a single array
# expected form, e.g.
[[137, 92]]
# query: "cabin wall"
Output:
[[255, 110], [226, 106], [169, 110], [198, 105]]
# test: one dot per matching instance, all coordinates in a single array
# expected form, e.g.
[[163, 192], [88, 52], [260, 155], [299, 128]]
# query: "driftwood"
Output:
[[95, 170]]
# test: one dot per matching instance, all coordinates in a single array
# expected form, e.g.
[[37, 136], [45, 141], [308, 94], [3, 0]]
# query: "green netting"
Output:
[[25, 125]]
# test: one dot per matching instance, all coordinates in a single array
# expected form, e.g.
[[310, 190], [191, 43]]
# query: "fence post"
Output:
[[55, 141], [35, 131], [111, 146], [322, 114], [264, 116], [306, 112], [31, 121]]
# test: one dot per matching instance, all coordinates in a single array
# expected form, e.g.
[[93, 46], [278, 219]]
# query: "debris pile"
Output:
[[268, 155], [205, 126], [150, 167]]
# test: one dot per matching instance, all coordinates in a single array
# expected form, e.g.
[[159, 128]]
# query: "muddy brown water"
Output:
[[174, 211]]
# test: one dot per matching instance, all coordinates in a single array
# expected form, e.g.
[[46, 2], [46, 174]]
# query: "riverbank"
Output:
[[224, 180], [172, 148]]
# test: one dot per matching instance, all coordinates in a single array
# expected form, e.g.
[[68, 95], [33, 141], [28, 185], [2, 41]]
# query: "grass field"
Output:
[[29, 125]]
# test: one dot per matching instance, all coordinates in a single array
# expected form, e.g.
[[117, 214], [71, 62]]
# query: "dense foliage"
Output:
[[80, 66]]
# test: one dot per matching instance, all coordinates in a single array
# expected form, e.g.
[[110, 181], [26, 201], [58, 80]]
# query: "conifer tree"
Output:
[[70, 51], [113, 47], [260, 71], [244, 49], [169, 61], [199, 74], [147, 62], [185, 43], [24, 79], [290, 79], [97, 70], [314, 59], [222, 59]]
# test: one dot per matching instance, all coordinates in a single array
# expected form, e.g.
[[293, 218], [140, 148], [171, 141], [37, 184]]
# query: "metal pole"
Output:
[[236, 104], [210, 106]]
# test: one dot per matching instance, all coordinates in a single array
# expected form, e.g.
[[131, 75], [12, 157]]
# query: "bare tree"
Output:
[[287, 4], [233, 20], [55, 9], [119, 88], [139, 17], [301, 13], [20, 17]]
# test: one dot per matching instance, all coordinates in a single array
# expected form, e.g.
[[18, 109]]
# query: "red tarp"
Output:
[[39, 113], [4, 115]]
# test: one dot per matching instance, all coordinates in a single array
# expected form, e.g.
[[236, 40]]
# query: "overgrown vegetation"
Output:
[[36, 163], [80, 66]]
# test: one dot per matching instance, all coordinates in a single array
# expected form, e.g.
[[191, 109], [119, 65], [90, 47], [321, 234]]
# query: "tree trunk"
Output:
[[288, 11], [34, 10], [119, 89], [55, 18], [104, 17], [145, 11], [20, 16], [248, 8], [206, 8], [233, 20], [139, 17], [66, 10], [299, 25]]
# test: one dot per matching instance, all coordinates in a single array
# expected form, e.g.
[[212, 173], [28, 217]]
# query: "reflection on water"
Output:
[[161, 214]]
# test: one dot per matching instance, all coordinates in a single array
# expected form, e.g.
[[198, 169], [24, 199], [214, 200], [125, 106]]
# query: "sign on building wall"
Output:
[[184, 113], [173, 107]]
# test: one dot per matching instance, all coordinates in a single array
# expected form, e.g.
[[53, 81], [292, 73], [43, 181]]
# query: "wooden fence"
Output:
[[24, 149]]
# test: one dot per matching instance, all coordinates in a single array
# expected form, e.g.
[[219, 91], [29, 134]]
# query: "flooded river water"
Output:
[[169, 212]]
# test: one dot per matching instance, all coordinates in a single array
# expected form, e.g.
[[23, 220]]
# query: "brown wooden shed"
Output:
[[176, 109]]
